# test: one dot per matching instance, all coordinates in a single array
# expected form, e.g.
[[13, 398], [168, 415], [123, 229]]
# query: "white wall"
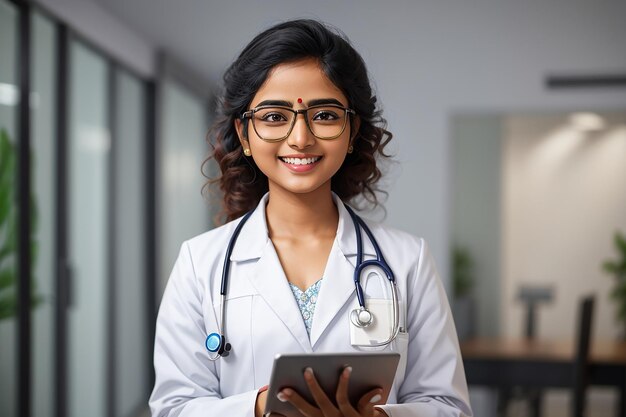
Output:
[[564, 196]]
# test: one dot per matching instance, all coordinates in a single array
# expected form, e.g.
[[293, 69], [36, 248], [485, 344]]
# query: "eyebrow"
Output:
[[322, 101], [316, 102], [275, 103]]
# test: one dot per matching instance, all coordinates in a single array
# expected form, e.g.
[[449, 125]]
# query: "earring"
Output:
[[247, 152], [350, 149]]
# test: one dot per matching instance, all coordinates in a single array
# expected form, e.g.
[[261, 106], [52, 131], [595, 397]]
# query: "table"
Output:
[[543, 364]]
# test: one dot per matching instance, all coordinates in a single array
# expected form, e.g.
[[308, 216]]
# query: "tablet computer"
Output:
[[369, 371]]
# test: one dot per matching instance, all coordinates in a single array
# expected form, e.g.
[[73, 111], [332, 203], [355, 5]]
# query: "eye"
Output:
[[272, 116], [325, 115]]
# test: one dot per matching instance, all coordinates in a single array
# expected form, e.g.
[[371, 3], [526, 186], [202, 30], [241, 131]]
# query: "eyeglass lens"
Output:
[[325, 122]]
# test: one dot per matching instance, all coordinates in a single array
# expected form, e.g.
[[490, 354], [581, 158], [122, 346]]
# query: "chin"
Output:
[[305, 188]]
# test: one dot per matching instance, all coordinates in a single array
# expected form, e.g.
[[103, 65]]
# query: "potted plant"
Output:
[[8, 232], [617, 268], [462, 284]]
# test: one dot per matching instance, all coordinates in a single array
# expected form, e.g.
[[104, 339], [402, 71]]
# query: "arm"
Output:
[[187, 382], [434, 383]]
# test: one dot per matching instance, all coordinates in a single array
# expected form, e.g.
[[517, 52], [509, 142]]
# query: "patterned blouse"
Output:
[[306, 301]]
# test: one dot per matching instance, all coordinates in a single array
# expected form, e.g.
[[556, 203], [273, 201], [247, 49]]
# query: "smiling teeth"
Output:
[[300, 161]]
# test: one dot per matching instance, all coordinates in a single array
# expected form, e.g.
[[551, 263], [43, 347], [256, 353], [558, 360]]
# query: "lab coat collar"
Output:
[[254, 236]]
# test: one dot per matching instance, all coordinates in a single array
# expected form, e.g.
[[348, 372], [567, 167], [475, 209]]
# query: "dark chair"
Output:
[[532, 296], [580, 368]]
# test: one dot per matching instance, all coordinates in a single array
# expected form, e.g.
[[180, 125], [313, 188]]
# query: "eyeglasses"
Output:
[[275, 123]]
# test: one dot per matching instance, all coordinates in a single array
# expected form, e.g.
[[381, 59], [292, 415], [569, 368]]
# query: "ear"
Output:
[[240, 128], [354, 129]]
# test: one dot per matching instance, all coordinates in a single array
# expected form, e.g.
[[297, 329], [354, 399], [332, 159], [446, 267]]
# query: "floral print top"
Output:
[[306, 302]]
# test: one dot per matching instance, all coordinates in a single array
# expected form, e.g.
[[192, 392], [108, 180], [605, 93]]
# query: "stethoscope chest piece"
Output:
[[361, 317], [215, 344]]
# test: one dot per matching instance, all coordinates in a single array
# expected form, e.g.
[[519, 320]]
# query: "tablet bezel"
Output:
[[369, 371]]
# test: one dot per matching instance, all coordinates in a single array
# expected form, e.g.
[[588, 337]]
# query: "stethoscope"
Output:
[[360, 317]]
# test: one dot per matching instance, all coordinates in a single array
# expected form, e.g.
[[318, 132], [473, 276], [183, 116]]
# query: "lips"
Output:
[[300, 163]]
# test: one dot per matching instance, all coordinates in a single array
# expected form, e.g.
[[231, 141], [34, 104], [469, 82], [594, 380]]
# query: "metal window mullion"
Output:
[[111, 357], [63, 277], [24, 216], [151, 226]]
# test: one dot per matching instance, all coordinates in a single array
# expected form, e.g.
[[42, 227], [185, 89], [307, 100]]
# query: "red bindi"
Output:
[[299, 100]]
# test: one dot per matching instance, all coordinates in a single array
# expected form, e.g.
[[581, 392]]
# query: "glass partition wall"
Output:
[[43, 167], [183, 211], [132, 339], [89, 147], [91, 300]]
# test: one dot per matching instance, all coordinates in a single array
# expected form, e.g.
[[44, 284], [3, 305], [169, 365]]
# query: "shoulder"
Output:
[[394, 239], [408, 255], [211, 244]]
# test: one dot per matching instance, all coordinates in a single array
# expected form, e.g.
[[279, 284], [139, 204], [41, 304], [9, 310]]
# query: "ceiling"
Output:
[[207, 35]]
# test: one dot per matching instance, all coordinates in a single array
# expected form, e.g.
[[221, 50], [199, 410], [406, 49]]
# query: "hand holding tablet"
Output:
[[325, 384]]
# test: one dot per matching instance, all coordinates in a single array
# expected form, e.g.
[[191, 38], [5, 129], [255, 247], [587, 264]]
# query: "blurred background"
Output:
[[509, 123]]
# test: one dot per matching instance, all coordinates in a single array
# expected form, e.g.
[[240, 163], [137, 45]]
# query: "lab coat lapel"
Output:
[[338, 285], [269, 280], [336, 289]]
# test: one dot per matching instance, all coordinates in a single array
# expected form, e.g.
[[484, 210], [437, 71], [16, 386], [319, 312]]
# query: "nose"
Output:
[[300, 136]]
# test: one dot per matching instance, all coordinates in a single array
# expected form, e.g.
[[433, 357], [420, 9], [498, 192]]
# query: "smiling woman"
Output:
[[299, 137]]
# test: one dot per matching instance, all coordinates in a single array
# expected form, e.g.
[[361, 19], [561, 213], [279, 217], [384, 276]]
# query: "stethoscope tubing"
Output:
[[224, 286], [379, 262], [229, 251]]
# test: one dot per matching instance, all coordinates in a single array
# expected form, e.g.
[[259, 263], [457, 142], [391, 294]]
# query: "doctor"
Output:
[[298, 136]]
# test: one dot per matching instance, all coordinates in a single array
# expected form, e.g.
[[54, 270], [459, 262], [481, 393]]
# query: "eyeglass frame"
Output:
[[250, 115]]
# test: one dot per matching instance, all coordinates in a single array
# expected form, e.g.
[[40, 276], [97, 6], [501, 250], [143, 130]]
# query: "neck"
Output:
[[298, 215]]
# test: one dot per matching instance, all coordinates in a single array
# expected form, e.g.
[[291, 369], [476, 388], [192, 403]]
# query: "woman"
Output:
[[299, 135]]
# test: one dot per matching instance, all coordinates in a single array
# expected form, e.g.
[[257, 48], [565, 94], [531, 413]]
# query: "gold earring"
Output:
[[350, 149], [247, 152]]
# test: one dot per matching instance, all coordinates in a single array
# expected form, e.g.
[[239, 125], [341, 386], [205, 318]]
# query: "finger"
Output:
[[369, 400], [303, 406], [325, 404], [343, 401]]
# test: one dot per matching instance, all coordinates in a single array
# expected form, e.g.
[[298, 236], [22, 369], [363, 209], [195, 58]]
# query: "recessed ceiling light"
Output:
[[587, 122]]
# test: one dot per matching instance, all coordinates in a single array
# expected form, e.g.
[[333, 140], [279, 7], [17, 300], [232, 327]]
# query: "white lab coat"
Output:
[[263, 319]]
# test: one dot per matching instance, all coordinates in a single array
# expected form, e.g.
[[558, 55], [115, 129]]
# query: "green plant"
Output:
[[8, 231], [462, 271], [617, 268]]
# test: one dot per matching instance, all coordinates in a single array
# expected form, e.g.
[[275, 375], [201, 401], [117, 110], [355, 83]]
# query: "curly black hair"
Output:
[[241, 181]]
